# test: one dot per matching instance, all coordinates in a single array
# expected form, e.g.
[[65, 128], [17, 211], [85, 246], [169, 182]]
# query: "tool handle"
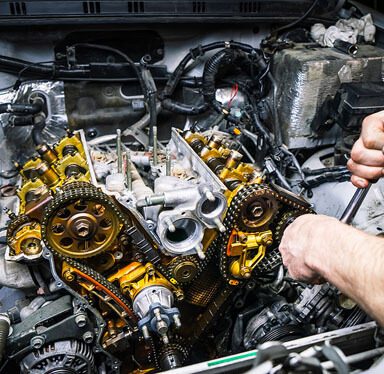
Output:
[[354, 205]]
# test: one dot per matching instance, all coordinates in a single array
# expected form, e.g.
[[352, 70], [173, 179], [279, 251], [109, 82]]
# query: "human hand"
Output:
[[367, 156], [303, 244]]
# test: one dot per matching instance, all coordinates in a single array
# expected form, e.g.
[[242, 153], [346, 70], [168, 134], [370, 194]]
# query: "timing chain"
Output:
[[83, 192], [220, 243]]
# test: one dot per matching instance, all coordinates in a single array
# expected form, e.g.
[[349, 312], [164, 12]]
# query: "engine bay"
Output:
[[146, 185]]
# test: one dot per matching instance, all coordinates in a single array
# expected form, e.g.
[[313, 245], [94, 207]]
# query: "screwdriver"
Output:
[[354, 205]]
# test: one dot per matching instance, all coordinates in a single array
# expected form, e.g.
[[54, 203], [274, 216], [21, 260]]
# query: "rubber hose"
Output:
[[37, 132], [20, 109], [211, 68], [5, 324], [192, 54], [180, 108]]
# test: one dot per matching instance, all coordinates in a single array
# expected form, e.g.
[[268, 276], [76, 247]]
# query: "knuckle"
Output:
[[369, 141], [373, 173], [357, 153], [351, 165]]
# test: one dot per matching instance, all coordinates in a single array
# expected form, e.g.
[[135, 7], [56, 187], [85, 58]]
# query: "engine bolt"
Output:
[[83, 229], [68, 276], [257, 210], [37, 342], [154, 133], [219, 224], [88, 337], [81, 320], [145, 332], [176, 319], [210, 196], [200, 252], [171, 226], [119, 151], [168, 162], [245, 272], [162, 327]]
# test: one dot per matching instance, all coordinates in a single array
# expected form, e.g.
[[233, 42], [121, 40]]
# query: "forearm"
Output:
[[354, 262]]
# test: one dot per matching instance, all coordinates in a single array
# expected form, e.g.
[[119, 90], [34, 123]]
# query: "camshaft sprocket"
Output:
[[81, 222]]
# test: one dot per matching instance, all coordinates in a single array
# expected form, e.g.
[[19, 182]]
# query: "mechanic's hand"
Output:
[[301, 242], [367, 156]]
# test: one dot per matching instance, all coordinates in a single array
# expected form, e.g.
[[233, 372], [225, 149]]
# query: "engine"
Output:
[[142, 231]]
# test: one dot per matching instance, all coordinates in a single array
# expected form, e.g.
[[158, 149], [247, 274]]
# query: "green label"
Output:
[[232, 358]]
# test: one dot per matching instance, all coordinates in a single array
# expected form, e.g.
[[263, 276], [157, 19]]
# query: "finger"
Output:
[[359, 182], [372, 132], [364, 156], [366, 172], [319, 280]]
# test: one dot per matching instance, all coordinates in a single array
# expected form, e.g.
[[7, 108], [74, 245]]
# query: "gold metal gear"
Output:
[[257, 210], [184, 268], [24, 236], [81, 222], [285, 220]]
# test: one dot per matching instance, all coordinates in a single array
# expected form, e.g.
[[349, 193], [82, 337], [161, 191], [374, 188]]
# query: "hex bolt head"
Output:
[[161, 327], [37, 342], [83, 229], [88, 337], [257, 210], [81, 320]]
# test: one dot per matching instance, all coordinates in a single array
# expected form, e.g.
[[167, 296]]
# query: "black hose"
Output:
[[175, 77], [5, 324], [335, 176], [181, 108], [20, 121], [20, 109], [308, 171], [37, 132], [211, 68]]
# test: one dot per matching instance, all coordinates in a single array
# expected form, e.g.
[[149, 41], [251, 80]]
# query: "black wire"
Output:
[[121, 54], [18, 80], [299, 20], [20, 73]]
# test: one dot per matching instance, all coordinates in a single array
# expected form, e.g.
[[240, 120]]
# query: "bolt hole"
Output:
[[100, 238], [66, 242], [98, 210], [105, 223], [63, 213], [80, 206], [58, 229]]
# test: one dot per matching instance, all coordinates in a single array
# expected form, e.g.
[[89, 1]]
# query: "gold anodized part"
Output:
[[136, 276], [250, 249], [26, 239], [83, 228]]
